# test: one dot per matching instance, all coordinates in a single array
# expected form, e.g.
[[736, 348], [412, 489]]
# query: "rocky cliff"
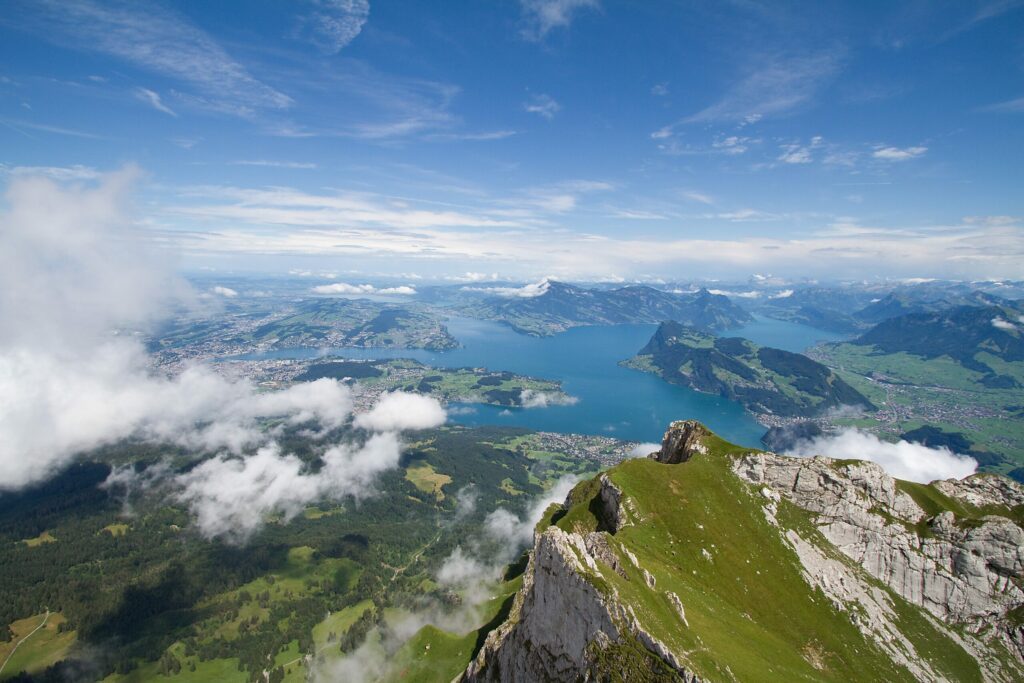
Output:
[[712, 562]]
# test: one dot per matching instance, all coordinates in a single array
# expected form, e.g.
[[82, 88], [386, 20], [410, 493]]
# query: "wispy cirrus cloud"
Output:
[[275, 164], [541, 16], [799, 153], [971, 249], [152, 98], [898, 153], [19, 126], [542, 105], [59, 173], [380, 106], [1014, 106], [770, 86], [157, 40], [276, 206], [333, 24]]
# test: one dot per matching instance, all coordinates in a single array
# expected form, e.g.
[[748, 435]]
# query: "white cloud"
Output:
[[334, 23], [1009, 106], [528, 291], [541, 16], [543, 105], [276, 164], [659, 89], [742, 295], [532, 398], [700, 197], [460, 569], [158, 40], [642, 450], [472, 277], [152, 98], [898, 153], [1003, 324], [74, 271], [515, 531], [772, 86], [59, 173], [345, 288], [800, 153], [231, 496], [784, 294], [903, 460], [733, 144], [224, 291], [399, 411]]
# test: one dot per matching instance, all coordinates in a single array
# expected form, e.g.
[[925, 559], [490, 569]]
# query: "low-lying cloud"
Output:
[[534, 398], [232, 496], [399, 411], [78, 286], [528, 291], [345, 288], [903, 459]]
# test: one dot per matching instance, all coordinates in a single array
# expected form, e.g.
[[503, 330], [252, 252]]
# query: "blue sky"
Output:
[[584, 139]]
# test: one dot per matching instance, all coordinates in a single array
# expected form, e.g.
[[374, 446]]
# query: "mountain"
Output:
[[710, 562], [764, 379], [984, 339], [826, 308], [557, 306], [906, 301]]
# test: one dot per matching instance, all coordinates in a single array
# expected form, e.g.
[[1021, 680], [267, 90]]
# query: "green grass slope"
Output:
[[750, 614]]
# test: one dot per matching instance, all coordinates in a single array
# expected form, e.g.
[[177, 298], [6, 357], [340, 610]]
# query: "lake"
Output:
[[611, 400]]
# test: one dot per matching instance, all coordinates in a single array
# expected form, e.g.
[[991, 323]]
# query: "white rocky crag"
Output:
[[870, 542], [559, 618], [965, 574]]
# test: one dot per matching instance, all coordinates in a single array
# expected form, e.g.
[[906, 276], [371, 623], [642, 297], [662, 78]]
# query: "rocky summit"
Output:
[[709, 562]]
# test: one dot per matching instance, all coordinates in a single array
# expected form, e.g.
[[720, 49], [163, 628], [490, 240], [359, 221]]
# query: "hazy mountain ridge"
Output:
[[961, 333], [764, 379], [561, 306], [713, 562]]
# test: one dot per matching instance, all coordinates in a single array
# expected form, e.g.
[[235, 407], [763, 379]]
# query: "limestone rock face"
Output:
[[874, 545], [964, 572], [682, 439], [560, 620]]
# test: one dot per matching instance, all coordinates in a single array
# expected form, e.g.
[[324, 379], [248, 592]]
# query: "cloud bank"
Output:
[[903, 459], [76, 282], [345, 288], [528, 291]]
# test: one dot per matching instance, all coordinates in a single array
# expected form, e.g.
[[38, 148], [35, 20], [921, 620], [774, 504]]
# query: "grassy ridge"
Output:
[[749, 613]]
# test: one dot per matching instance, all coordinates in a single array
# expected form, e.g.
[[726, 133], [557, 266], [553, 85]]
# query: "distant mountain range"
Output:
[[897, 304], [981, 338], [765, 380], [558, 306], [852, 310]]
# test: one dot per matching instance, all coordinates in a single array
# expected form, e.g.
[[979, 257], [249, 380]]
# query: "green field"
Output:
[[911, 391], [160, 598]]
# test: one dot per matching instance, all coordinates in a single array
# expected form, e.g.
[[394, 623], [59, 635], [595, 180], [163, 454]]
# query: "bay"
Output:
[[610, 400]]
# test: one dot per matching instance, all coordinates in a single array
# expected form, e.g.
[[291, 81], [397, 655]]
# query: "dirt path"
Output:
[[46, 617]]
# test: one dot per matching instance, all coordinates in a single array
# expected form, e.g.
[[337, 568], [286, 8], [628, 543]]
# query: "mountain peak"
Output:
[[682, 440]]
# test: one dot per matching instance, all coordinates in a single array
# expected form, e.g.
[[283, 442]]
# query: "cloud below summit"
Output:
[[903, 459], [77, 280]]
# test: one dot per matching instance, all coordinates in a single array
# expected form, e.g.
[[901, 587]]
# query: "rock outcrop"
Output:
[[561, 619], [965, 571], [926, 580], [682, 440]]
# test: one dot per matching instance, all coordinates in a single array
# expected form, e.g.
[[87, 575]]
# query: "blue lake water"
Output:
[[783, 335], [612, 400]]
